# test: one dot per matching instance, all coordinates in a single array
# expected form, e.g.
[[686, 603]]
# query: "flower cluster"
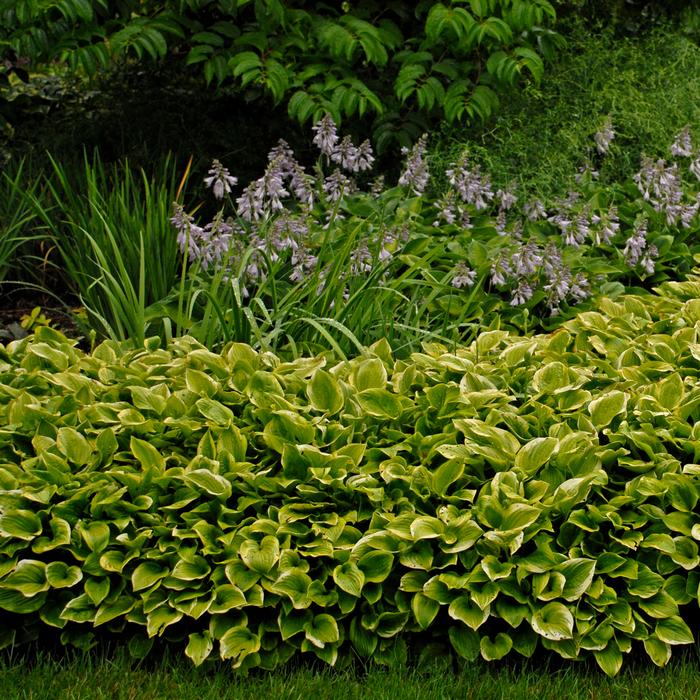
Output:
[[415, 174], [288, 218], [603, 138]]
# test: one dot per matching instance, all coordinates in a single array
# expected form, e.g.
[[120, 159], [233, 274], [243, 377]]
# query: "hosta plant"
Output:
[[515, 494], [301, 259]]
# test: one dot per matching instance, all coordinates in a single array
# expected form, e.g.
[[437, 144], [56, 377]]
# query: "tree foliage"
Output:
[[399, 63]]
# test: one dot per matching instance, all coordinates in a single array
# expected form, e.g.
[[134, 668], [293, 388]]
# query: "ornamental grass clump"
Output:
[[514, 496]]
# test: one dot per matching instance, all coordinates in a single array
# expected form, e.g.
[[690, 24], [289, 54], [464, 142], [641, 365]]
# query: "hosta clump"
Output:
[[510, 495], [293, 249]]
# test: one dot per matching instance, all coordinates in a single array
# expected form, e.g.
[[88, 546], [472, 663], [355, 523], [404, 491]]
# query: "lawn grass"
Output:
[[117, 677]]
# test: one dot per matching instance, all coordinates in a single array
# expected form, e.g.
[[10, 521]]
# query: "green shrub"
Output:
[[515, 494], [445, 59]]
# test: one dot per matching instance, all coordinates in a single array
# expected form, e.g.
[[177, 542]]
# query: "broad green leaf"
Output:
[[376, 565], [192, 570], [609, 659], [146, 574], [108, 611], [380, 403], [61, 532], [160, 618], [147, 455], [350, 578], [493, 650], [535, 453], [674, 631], [237, 643], [96, 535], [61, 575], [369, 374], [659, 652], [260, 557], [467, 611], [363, 640], [554, 621], [579, 576], [604, 409], [466, 642], [295, 585], [205, 480], [550, 377], [424, 610], [73, 446], [97, 589], [199, 647], [324, 392], [200, 383], [227, 597], [670, 391], [322, 630], [78, 609], [22, 524], [292, 623], [29, 578], [215, 411]]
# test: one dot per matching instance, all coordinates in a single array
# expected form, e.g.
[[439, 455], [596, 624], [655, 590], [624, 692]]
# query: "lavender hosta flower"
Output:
[[635, 244], [683, 144], [695, 166], [361, 260], [283, 155], [250, 203], [580, 287], [463, 276], [301, 184], [303, 264], [526, 259], [647, 261], [507, 198], [535, 211], [336, 185], [272, 185], [500, 223], [659, 183], [557, 288], [604, 137], [552, 262], [220, 179], [326, 135], [470, 184], [415, 175], [689, 212], [377, 187], [345, 155], [365, 156], [387, 245], [446, 209], [287, 233], [609, 226], [500, 271], [522, 293], [188, 233], [215, 242]]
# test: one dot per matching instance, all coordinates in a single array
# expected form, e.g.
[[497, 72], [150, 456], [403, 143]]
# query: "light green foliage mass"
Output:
[[513, 494]]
